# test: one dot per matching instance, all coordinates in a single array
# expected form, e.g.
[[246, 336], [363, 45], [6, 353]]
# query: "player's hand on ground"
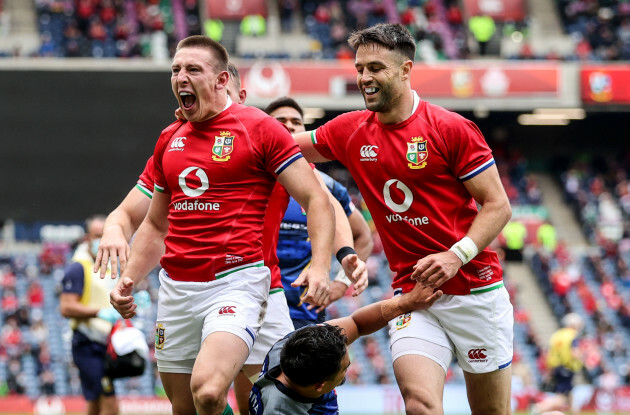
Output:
[[356, 270], [113, 247], [435, 269], [318, 283], [419, 298], [121, 297]]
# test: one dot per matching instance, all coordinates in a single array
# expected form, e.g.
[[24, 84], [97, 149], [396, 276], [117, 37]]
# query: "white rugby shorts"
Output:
[[190, 311], [275, 326], [477, 328]]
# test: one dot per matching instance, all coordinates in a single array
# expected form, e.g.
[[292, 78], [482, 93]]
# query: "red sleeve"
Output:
[[145, 181], [158, 173], [330, 139], [469, 154], [279, 147]]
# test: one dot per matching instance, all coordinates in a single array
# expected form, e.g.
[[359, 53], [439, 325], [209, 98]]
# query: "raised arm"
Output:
[[120, 226], [298, 179], [375, 316]]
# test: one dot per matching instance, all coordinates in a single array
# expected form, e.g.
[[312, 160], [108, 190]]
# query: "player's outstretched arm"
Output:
[[375, 316], [298, 179], [119, 227], [308, 149], [486, 188], [147, 249]]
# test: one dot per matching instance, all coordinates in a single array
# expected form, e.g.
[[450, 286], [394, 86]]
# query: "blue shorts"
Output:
[[89, 357], [563, 380]]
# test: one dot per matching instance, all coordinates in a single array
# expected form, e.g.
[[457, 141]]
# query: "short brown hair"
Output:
[[391, 36], [198, 41]]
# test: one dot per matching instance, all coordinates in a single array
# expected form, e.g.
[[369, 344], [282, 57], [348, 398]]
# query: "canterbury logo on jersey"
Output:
[[477, 354], [228, 310], [178, 144], [368, 153]]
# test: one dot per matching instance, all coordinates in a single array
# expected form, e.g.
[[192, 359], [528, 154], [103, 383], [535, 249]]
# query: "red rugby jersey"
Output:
[[219, 174], [411, 176]]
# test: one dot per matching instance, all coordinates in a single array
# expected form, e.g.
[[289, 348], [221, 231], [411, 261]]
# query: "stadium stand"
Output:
[[115, 28]]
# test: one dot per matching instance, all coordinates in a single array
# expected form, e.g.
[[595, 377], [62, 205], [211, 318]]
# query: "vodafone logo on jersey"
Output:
[[369, 153], [202, 177], [194, 182], [398, 197], [397, 207]]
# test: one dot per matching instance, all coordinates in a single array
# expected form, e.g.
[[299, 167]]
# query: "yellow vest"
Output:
[[95, 294], [515, 234], [561, 350], [546, 235]]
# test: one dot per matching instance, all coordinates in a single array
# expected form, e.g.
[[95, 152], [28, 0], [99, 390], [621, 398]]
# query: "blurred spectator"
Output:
[[563, 361], [253, 25], [483, 29], [35, 295], [515, 234], [546, 236], [287, 14], [214, 29]]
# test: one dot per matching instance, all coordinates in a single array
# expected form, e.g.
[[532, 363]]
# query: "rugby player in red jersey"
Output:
[[213, 177], [422, 170]]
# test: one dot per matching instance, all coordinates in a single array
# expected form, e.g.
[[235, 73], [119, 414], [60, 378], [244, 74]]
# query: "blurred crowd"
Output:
[[443, 29], [114, 28], [600, 28]]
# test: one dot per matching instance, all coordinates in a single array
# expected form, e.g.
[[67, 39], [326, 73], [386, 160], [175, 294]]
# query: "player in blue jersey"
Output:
[[302, 370], [294, 246]]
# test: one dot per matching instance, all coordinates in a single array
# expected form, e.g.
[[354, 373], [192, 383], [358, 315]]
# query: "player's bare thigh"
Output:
[[421, 382], [177, 388], [221, 357], [490, 393]]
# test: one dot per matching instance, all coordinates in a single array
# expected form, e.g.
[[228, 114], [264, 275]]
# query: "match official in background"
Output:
[[85, 301], [564, 361]]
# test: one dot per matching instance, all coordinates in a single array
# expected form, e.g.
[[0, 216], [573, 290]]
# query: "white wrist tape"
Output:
[[465, 249], [342, 277]]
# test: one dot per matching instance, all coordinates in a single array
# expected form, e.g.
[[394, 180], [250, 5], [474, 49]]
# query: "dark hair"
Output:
[[313, 354], [284, 102], [220, 54], [392, 36], [233, 70]]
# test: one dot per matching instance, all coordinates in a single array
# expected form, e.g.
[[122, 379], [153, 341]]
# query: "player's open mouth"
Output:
[[370, 90], [188, 100]]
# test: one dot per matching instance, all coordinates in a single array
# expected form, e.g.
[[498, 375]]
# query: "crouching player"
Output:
[[302, 370]]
